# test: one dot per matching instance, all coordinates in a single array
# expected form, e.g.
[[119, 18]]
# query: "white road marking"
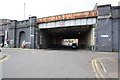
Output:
[[103, 67]]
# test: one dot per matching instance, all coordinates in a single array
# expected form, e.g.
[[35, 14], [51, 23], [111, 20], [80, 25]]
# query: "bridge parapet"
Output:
[[68, 16], [67, 23]]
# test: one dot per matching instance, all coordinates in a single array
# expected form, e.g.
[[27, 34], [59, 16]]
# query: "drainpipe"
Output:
[[15, 33]]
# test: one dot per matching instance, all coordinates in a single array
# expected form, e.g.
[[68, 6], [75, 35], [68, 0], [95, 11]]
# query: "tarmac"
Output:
[[106, 66]]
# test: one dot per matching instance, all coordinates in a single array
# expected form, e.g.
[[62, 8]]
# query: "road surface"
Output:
[[46, 63]]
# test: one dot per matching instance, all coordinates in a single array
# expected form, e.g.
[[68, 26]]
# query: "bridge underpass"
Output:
[[53, 37], [57, 31]]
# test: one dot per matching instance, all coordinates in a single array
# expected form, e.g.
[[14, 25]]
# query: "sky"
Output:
[[14, 9]]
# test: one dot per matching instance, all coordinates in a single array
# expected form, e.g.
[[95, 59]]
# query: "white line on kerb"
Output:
[[103, 66]]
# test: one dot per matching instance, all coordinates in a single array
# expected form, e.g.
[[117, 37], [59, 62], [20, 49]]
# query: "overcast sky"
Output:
[[14, 9]]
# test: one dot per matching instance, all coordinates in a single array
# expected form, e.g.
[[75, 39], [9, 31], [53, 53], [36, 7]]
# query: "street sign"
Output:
[[31, 35], [104, 35]]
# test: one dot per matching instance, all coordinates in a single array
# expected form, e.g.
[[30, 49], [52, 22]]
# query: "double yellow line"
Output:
[[96, 67], [5, 57], [108, 52]]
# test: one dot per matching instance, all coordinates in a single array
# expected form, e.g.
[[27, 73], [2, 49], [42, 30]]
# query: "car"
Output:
[[74, 45]]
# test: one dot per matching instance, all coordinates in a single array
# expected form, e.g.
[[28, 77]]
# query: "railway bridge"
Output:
[[55, 30]]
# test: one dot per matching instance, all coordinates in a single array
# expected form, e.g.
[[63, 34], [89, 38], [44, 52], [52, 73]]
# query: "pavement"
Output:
[[111, 66], [2, 56], [105, 67]]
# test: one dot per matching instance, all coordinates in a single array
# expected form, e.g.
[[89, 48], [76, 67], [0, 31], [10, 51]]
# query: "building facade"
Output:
[[95, 30]]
